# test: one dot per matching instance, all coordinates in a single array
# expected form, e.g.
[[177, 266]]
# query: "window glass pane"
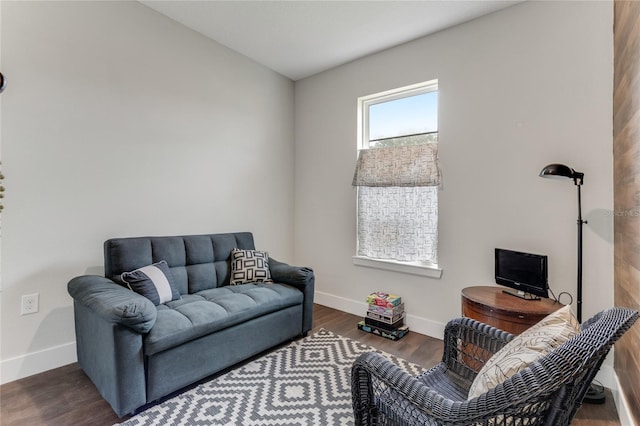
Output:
[[419, 139], [401, 117]]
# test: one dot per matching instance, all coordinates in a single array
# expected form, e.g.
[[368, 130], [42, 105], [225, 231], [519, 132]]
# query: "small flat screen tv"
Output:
[[524, 272]]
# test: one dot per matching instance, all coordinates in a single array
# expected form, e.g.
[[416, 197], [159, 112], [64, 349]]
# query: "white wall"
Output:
[[117, 121], [519, 89]]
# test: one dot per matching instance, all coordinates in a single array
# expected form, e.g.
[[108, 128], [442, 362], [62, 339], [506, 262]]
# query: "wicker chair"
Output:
[[549, 392]]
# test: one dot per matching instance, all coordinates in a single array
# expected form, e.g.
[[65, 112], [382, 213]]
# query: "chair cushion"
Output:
[[535, 342], [207, 311], [155, 282], [249, 266]]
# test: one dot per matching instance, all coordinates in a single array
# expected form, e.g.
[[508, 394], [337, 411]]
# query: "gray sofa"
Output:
[[136, 352]]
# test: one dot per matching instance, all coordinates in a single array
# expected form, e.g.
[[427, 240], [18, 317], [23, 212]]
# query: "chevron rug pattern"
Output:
[[305, 383]]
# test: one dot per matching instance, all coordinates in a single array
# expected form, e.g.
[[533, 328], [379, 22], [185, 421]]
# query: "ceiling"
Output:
[[301, 38]]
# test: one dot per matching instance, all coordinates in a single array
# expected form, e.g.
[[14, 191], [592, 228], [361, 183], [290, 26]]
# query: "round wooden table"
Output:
[[492, 306]]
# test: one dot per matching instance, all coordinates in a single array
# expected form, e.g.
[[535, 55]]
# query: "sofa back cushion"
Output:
[[197, 262]]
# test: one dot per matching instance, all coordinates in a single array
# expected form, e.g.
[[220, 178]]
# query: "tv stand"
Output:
[[491, 306], [522, 295]]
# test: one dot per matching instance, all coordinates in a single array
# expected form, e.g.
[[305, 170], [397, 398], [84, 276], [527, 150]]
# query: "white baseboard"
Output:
[[418, 324], [609, 379], [622, 405], [37, 362], [607, 376]]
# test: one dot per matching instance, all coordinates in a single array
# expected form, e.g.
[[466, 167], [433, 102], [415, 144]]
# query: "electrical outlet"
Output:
[[29, 304]]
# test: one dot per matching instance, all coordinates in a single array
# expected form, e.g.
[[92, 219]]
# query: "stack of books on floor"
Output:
[[385, 316]]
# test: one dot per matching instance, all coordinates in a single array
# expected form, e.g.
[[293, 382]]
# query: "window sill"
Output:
[[414, 268]]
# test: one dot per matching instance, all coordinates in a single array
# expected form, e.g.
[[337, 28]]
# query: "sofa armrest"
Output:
[[113, 302], [303, 279], [281, 272]]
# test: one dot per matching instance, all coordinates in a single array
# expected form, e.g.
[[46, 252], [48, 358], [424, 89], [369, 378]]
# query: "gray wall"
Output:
[[117, 121], [519, 89]]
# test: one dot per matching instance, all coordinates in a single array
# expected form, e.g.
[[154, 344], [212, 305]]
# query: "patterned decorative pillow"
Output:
[[535, 342], [155, 282], [249, 266]]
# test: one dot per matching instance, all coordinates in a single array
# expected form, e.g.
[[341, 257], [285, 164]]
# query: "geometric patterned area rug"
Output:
[[307, 382]]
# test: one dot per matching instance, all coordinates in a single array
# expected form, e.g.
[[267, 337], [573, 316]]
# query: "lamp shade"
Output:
[[557, 171], [560, 171]]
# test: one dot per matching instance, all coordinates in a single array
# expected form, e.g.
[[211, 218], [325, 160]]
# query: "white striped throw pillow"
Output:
[[155, 282]]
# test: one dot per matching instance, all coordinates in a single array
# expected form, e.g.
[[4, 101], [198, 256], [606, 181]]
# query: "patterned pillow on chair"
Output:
[[525, 349], [249, 266]]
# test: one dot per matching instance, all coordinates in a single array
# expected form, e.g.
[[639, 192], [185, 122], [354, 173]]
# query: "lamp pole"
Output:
[[594, 395], [560, 171], [580, 223]]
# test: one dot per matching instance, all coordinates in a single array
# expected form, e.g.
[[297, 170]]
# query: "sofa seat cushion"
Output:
[[207, 311]]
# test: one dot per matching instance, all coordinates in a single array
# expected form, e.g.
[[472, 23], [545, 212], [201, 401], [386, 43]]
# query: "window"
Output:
[[397, 176]]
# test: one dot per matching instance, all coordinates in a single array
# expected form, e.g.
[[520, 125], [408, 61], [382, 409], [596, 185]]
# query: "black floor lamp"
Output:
[[560, 171], [595, 395]]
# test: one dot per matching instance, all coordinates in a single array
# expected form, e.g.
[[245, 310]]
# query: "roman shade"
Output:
[[401, 166], [398, 203]]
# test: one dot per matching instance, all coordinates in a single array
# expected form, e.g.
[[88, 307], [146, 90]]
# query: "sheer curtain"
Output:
[[398, 202]]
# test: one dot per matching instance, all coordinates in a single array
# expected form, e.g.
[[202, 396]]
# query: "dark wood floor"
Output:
[[65, 396]]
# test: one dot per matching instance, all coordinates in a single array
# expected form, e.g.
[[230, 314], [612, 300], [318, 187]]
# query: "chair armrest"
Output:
[[482, 335], [468, 344], [113, 302], [375, 378]]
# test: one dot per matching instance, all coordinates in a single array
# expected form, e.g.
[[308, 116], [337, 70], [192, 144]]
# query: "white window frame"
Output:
[[427, 269]]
